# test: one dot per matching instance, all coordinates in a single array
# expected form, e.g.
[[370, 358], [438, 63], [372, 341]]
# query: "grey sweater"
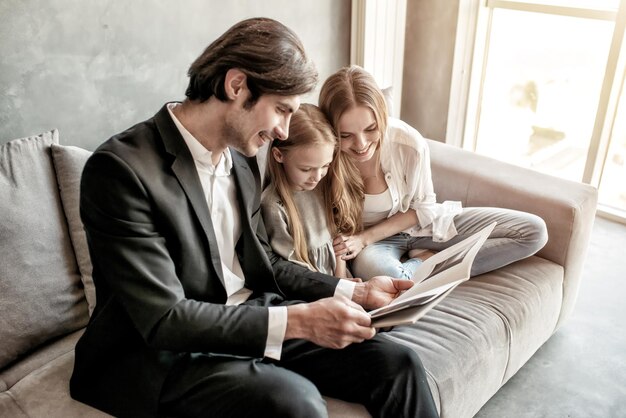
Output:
[[312, 214]]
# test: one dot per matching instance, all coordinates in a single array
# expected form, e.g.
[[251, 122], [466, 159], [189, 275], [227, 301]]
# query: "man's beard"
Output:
[[236, 139]]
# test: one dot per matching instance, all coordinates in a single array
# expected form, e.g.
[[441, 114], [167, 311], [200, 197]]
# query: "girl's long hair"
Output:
[[346, 89], [308, 127]]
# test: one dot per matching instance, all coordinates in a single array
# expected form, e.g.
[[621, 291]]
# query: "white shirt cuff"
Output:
[[276, 328], [345, 288]]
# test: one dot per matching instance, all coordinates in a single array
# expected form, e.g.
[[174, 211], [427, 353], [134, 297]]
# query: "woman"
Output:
[[392, 199]]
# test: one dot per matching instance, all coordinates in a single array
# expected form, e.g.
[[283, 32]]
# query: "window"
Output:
[[546, 89], [612, 189], [377, 32]]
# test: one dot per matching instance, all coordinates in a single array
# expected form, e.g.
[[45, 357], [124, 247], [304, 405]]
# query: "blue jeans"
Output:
[[516, 236]]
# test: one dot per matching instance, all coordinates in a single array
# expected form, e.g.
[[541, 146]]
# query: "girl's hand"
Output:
[[341, 271], [348, 247]]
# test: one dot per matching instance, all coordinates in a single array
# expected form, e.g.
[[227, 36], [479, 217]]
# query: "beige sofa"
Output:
[[471, 344]]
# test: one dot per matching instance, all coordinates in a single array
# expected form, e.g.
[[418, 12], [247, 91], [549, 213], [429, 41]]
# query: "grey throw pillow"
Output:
[[68, 164], [41, 294]]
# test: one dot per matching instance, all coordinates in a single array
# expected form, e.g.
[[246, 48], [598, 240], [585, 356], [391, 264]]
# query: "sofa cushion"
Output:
[[482, 333], [68, 164], [38, 358], [528, 296], [46, 392], [9, 408], [41, 295]]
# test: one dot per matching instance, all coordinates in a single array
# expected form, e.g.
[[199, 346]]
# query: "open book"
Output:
[[434, 280]]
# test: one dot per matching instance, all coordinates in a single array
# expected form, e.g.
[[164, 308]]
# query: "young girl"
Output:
[[392, 199], [299, 202]]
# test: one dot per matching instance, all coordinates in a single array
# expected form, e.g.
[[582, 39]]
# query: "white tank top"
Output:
[[376, 208]]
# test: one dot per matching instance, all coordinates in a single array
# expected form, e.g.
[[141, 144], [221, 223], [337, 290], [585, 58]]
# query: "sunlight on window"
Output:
[[610, 5], [541, 90], [612, 185]]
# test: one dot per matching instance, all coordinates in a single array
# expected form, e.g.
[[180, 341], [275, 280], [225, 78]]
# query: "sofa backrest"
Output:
[[568, 207], [41, 292]]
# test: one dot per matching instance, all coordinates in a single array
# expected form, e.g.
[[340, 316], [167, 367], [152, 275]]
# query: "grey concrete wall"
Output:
[[94, 68], [428, 58]]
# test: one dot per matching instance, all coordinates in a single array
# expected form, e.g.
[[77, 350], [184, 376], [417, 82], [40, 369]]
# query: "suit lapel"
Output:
[[254, 261], [246, 184], [185, 171]]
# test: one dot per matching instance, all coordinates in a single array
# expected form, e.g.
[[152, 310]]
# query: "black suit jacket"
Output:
[[157, 269]]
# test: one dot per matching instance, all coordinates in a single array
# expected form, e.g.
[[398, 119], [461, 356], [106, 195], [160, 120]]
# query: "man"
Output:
[[195, 315]]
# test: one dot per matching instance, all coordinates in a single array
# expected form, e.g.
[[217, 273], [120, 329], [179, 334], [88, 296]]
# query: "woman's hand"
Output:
[[348, 246]]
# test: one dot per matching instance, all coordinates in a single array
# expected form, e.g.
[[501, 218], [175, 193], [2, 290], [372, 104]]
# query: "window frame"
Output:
[[472, 50]]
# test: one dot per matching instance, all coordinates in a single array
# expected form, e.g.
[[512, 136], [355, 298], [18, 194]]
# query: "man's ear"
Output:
[[235, 83], [278, 156]]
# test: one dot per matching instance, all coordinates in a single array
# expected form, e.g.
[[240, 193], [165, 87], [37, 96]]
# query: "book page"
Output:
[[437, 276], [409, 315], [421, 299]]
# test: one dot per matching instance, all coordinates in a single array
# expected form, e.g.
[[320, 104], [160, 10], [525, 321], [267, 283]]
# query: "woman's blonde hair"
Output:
[[308, 127], [346, 89]]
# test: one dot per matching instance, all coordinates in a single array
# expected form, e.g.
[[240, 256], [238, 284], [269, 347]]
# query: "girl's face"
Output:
[[306, 165], [359, 133]]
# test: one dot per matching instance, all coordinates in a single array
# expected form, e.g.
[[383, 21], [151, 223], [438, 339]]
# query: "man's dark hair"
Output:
[[270, 55]]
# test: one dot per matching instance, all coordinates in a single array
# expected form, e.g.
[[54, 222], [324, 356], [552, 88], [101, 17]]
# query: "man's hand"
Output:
[[334, 322], [379, 291]]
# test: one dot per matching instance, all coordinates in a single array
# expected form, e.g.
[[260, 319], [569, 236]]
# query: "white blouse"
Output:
[[405, 161]]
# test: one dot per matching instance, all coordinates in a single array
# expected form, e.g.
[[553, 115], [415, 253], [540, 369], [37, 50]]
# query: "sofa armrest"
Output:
[[567, 207]]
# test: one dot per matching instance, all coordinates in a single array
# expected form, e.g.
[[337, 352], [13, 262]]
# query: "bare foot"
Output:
[[421, 254]]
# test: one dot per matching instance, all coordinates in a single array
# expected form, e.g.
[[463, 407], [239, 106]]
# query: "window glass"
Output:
[[541, 90], [612, 191], [608, 5]]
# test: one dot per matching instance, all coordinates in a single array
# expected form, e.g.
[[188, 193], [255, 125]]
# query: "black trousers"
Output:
[[386, 377]]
